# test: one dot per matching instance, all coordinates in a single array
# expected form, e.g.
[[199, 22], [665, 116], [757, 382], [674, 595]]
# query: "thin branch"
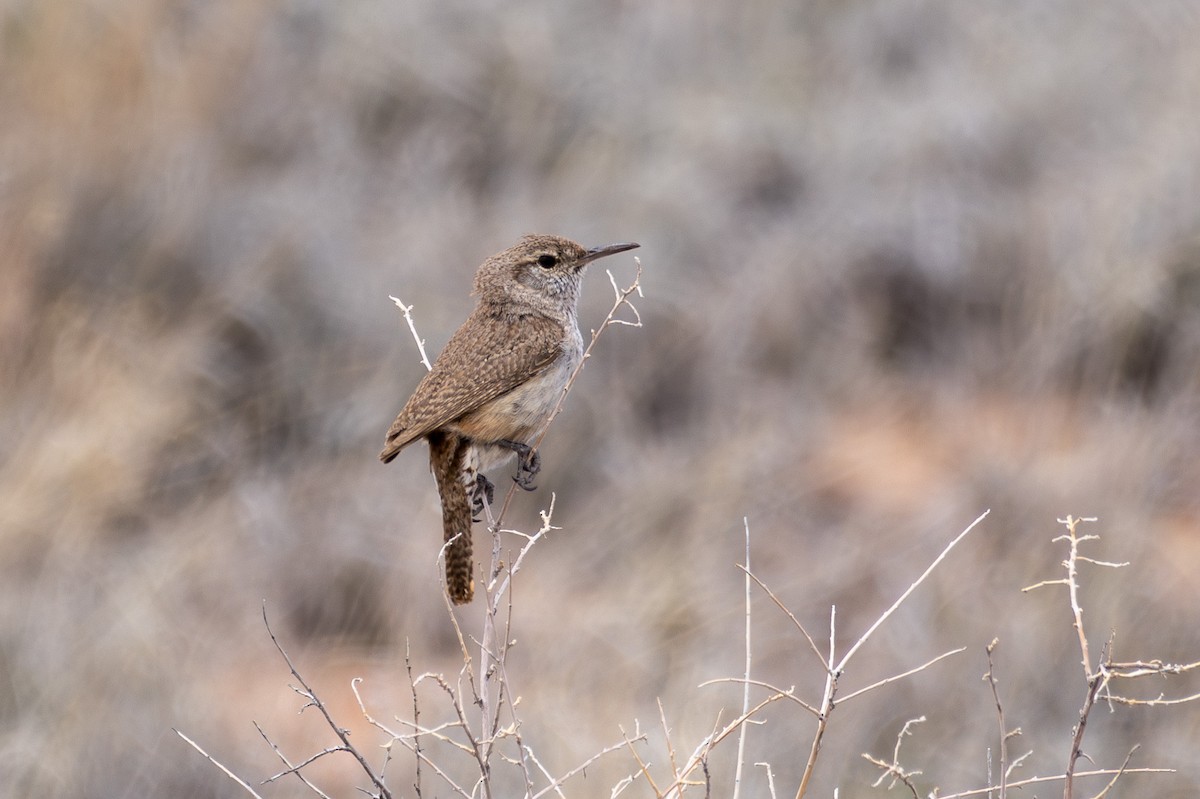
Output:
[[407, 309], [488, 662], [416, 718], [643, 767], [991, 680], [1105, 772], [900, 676], [553, 786], [1159, 702], [475, 747], [293, 768], [779, 604], [894, 769], [1076, 608], [493, 652], [525, 752], [827, 704], [1094, 683], [698, 758], [770, 778], [218, 764], [1145, 668], [887, 614], [438, 770], [1116, 776], [741, 750], [530, 540], [789, 693], [710, 741], [306, 762], [433, 732], [662, 718]]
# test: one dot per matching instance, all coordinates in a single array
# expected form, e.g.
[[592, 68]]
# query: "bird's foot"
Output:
[[529, 463], [483, 489]]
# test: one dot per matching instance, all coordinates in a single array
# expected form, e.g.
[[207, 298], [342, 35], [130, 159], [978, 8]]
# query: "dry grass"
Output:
[[904, 261]]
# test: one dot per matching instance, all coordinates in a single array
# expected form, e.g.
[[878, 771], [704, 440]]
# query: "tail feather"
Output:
[[446, 454]]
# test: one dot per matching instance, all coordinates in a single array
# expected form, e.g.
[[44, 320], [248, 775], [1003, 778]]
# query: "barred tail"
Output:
[[446, 453]]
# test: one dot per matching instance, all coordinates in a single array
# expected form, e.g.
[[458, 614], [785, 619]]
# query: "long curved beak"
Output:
[[608, 249]]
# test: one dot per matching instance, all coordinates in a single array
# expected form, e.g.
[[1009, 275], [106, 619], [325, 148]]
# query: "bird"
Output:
[[493, 388]]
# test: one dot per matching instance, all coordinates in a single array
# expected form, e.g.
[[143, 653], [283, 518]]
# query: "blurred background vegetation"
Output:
[[905, 260]]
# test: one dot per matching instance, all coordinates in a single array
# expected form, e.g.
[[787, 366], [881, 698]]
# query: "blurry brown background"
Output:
[[904, 261]]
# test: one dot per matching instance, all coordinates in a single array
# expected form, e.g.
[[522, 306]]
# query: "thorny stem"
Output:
[[1073, 587]]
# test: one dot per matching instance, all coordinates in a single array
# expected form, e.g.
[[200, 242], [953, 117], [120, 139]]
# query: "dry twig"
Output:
[[894, 769], [218, 764], [407, 310]]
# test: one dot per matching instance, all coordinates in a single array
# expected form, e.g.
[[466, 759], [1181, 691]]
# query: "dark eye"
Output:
[[547, 261]]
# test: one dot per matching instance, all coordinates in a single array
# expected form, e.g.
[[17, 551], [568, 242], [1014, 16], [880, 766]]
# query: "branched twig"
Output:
[[706, 745], [555, 783], [837, 667], [315, 701], [1098, 681], [834, 668], [499, 588], [291, 767], [493, 648], [295, 769], [893, 769], [1095, 680], [643, 766], [1071, 581]]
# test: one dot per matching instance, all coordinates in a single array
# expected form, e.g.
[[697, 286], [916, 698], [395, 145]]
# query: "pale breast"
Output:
[[521, 414]]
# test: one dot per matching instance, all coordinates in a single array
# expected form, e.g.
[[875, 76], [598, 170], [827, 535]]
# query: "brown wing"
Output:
[[487, 357]]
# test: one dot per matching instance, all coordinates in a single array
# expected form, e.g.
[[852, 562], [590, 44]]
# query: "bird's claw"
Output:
[[483, 489], [529, 463]]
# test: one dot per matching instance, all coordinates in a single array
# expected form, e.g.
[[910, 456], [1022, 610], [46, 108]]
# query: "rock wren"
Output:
[[491, 391]]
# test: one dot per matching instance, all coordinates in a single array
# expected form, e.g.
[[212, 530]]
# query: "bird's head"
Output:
[[539, 271]]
